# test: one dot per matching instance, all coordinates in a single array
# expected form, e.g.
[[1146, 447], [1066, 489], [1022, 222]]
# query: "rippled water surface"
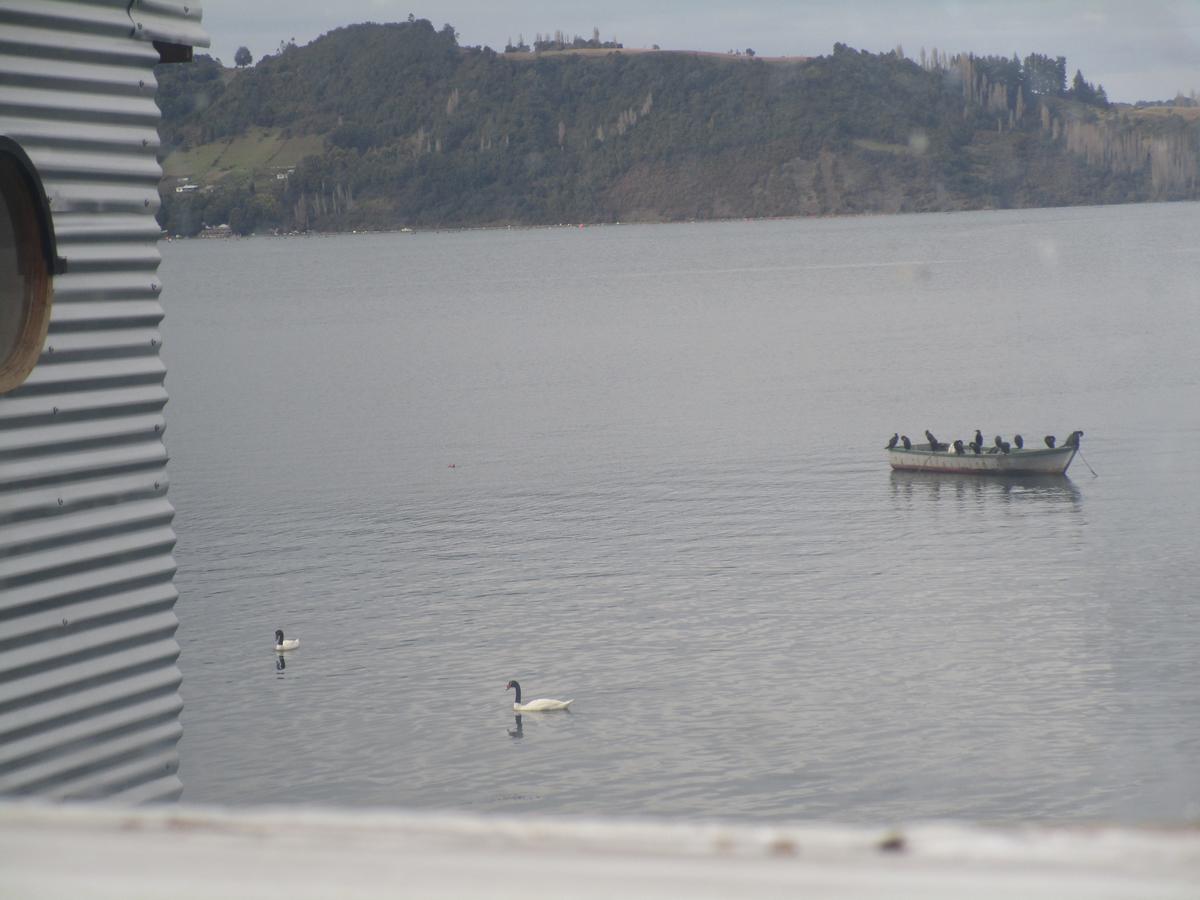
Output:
[[642, 466]]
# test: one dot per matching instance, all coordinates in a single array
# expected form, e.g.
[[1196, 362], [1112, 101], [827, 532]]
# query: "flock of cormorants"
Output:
[[999, 445]]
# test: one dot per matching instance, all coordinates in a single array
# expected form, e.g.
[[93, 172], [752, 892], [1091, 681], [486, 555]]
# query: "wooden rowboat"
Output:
[[1027, 461]]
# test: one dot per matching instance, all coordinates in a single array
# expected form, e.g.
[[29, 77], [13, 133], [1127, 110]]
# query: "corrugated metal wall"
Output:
[[89, 687]]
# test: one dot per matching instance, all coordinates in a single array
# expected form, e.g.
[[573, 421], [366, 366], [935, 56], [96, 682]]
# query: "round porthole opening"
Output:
[[26, 280]]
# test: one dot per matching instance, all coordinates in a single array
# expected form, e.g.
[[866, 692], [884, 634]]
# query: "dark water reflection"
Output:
[[929, 486], [642, 467]]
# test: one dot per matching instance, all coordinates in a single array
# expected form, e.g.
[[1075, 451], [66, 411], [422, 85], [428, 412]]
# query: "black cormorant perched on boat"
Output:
[[999, 442], [975, 447], [895, 440], [978, 438], [1073, 440], [906, 442], [958, 448], [934, 444], [1049, 439], [1005, 446], [1019, 441]]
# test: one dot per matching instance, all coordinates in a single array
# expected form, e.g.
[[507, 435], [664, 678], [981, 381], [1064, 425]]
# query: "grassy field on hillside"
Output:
[[261, 152], [1187, 113]]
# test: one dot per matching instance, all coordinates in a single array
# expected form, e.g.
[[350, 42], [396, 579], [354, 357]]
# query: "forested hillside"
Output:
[[383, 126]]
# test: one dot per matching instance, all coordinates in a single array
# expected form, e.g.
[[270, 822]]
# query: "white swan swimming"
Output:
[[535, 705], [281, 644]]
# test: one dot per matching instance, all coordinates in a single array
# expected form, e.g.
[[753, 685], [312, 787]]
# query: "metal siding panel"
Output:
[[76, 165], [89, 701], [20, 38], [86, 229], [76, 676], [77, 591], [71, 75], [120, 287], [45, 615], [154, 787], [83, 374], [28, 441], [67, 468], [169, 20], [122, 256], [131, 341], [55, 743], [63, 134], [88, 772], [101, 197], [19, 536], [120, 399], [157, 760], [81, 494], [34, 564], [77, 106], [34, 722], [101, 18]]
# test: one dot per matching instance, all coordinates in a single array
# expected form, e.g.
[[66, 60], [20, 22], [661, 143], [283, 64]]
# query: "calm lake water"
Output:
[[642, 466]]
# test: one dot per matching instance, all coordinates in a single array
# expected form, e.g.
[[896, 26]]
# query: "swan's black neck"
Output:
[[518, 689], [279, 636]]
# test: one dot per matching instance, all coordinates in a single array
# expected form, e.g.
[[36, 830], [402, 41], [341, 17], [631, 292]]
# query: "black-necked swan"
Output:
[[535, 705], [282, 644]]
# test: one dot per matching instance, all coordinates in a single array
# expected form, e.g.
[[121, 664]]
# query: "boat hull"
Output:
[[1016, 462]]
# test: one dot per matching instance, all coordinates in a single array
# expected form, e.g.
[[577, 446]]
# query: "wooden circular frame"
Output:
[[25, 204]]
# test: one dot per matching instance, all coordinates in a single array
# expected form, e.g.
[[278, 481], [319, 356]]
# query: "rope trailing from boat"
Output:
[[1086, 463]]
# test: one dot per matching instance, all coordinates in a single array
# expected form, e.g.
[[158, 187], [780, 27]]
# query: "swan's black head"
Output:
[[512, 685], [278, 635]]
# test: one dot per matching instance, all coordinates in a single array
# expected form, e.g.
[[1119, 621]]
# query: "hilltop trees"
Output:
[[242, 58], [560, 42], [185, 90], [1045, 76], [1007, 86], [1085, 92]]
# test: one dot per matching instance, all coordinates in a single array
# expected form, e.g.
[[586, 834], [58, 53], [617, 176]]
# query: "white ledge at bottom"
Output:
[[169, 852]]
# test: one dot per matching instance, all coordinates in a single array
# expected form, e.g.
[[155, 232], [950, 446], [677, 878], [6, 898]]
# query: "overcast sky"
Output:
[[1137, 49]]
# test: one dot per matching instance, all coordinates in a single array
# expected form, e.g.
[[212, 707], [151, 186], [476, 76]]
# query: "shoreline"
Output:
[[580, 226]]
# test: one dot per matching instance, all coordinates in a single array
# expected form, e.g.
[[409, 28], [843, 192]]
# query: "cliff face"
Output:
[[392, 125]]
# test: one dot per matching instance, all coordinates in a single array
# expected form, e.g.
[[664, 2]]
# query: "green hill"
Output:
[[383, 126]]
